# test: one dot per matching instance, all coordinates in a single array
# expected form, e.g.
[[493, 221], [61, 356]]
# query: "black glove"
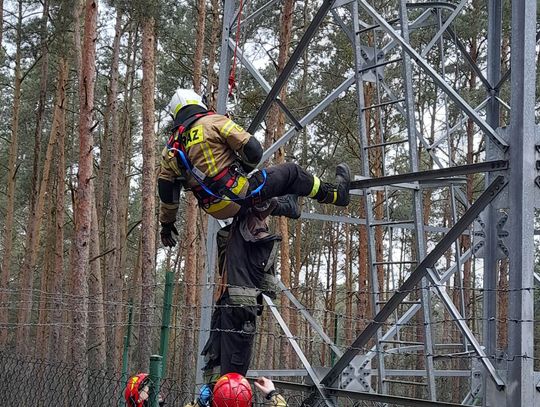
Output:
[[167, 230]]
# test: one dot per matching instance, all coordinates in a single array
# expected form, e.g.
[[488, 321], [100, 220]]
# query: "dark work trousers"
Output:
[[282, 179], [233, 324], [231, 337]]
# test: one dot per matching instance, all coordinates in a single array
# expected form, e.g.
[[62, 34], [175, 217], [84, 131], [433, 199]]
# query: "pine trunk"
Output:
[[348, 286], [1, 29], [34, 236], [58, 275], [97, 356], [85, 193], [47, 270], [12, 171], [148, 193], [274, 129], [112, 226]]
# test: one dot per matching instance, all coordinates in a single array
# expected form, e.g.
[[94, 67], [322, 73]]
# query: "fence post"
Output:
[[127, 339], [166, 319], [155, 379]]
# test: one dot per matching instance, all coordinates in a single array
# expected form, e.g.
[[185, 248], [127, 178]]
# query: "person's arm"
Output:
[[244, 144], [267, 387], [277, 400], [169, 193]]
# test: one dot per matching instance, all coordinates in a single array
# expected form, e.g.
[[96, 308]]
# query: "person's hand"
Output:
[[167, 230], [265, 385], [205, 394]]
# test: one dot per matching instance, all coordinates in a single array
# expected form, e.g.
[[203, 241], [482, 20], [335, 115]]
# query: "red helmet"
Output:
[[137, 389], [232, 390]]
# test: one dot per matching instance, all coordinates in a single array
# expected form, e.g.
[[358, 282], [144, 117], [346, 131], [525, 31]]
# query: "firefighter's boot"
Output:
[[287, 206], [338, 193]]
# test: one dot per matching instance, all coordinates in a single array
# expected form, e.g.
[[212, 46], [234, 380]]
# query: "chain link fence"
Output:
[[32, 382]]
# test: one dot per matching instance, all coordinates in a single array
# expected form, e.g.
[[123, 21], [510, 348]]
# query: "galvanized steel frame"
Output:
[[520, 372]]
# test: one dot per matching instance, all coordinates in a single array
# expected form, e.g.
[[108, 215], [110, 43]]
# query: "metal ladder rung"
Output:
[[409, 343], [391, 102], [402, 302], [378, 263], [404, 382], [390, 222], [387, 143]]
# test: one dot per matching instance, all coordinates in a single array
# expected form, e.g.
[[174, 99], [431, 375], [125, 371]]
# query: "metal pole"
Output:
[[155, 379], [417, 202], [520, 376], [125, 353], [166, 318], [225, 57], [490, 275]]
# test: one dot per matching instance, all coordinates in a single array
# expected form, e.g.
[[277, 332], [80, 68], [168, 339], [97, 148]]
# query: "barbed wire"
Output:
[[298, 290]]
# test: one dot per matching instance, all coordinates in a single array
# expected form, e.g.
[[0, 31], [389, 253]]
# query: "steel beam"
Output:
[[442, 29], [487, 166], [206, 290], [520, 375], [289, 66], [373, 397], [490, 275], [470, 61], [414, 278], [368, 197], [312, 322], [308, 118], [255, 14]]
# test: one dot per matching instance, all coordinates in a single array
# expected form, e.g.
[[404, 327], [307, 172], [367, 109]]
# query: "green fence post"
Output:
[[155, 379], [166, 319], [127, 339]]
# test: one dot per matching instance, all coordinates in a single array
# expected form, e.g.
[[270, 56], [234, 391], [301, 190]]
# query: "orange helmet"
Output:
[[232, 390], [137, 389]]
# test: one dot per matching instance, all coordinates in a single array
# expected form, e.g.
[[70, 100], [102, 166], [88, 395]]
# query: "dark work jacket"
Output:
[[247, 254]]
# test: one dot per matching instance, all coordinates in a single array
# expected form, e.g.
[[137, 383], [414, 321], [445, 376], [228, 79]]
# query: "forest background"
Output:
[[84, 86]]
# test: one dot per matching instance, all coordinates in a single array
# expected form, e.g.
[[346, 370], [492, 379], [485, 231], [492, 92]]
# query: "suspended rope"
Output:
[[232, 76]]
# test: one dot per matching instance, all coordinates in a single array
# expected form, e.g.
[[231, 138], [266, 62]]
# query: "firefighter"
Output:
[[211, 155], [233, 390], [243, 280], [137, 391]]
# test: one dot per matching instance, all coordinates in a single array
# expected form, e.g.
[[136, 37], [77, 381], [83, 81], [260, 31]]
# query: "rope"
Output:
[[232, 76]]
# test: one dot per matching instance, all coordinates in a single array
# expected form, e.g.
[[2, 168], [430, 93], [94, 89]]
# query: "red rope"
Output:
[[232, 76]]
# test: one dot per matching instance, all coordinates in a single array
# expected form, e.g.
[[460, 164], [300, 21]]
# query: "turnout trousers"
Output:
[[284, 179]]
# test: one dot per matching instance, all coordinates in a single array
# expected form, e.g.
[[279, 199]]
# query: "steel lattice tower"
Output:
[[501, 218]]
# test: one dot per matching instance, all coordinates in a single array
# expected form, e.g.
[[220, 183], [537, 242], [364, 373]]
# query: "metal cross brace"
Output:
[[490, 132], [298, 351], [291, 63]]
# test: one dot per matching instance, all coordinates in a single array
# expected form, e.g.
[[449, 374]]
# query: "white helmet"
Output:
[[184, 97]]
